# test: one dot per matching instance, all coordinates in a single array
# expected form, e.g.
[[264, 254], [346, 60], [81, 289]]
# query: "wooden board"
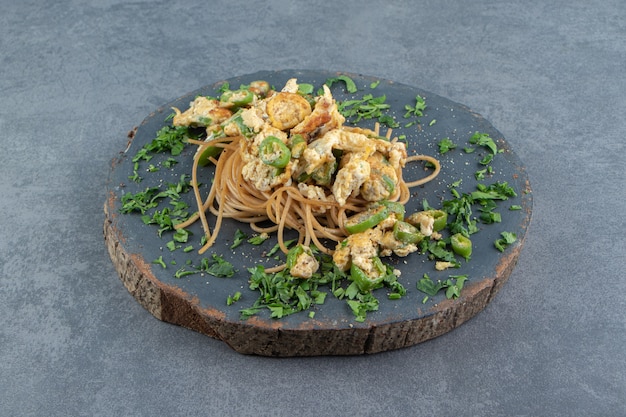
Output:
[[198, 302]]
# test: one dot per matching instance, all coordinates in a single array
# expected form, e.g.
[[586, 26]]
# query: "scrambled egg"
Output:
[[350, 177], [381, 182], [202, 111], [342, 162], [325, 116], [286, 110], [305, 266], [336, 164], [361, 248], [424, 221]]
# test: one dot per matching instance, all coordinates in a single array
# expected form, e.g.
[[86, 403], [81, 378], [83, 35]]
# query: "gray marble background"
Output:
[[76, 76]]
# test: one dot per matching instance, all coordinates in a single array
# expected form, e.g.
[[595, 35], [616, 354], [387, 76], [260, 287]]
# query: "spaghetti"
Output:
[[318, 213]]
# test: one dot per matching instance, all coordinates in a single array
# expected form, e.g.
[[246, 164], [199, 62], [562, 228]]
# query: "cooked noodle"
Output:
[[231, 196]]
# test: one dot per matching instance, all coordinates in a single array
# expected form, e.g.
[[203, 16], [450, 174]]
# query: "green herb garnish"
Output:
[[159, 261], [507, 239], [233, 298], [416, 110], [239, 238], [445, 145], [258, 239], [350, 85], [453, 286], [362, 304], [368, 107], [483, 139], [281, 293], [216, 266]]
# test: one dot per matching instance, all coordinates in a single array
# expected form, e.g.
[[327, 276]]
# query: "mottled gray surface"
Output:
[[75, 76]]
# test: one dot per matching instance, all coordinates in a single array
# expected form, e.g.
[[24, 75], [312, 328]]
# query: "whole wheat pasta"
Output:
[[230, 196]]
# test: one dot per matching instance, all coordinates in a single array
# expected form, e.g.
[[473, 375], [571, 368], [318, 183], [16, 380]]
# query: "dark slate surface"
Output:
[[451, 120], [77, 76]]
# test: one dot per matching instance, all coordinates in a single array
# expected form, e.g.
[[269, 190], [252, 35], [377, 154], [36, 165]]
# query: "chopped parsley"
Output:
[[240, 237], [281, 293], [258, 239], [350, 85], [482, 173], [452, 286], [367, 107], [506, 239], [233, 298], [461, 208], [416, 110], [216, 266], [168, 138], [483, 139], [445, 145], [159, 261], [149, 198], [361, 304]]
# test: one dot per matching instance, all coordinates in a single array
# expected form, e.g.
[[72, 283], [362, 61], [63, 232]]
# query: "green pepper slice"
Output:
[[213, 151], [461, 245], [274, 152], [367, 219], [365, 282], [237, 119], [236, 98], [298, 145], [303, 177], [324, 174], [260, 88], [407, 233], [293, 255], [395, 208], [209, 152], [441, 219], [390, 185]]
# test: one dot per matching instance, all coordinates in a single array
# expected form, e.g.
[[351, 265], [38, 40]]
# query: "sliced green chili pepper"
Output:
[[303, 177], [390, 185], [237, 119], [260, 88], [203, 121], [213, 151], [396, 208], [324, 174], [236, 98], [461, 245], [274, 152], [406, 232], [209, 152], [293, 255], [441, 219], [365, 282], [298, 145], [365, 220]]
